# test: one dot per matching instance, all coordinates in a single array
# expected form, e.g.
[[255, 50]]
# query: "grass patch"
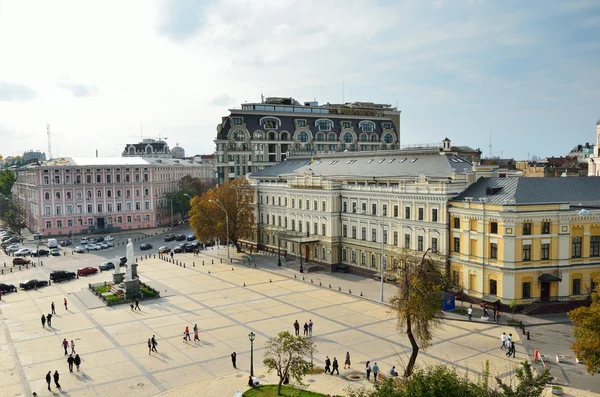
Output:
[[316, 371], [287, 391], [148, 293], [510, 321], [113, 299], [102, 289]]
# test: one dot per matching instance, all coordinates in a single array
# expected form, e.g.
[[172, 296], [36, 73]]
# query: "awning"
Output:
[[547, 277], [490, 299]]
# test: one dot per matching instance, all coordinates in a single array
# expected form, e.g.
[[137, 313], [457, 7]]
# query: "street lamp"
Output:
[[219, 204], [251, 336]]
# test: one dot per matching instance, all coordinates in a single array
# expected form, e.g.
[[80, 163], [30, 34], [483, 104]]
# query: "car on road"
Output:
[[180, 237], [19, 261], [190, 247], [103, 246], [145, 246], [109, 238], [13, 248], [55, 252], [65, 243], [79, 249], [99, 239], [7, 288], [170, 237], [40, 252], [23, 252], [85, 271], [61, 275], [164, 250], [29, 284], [106, 266], [92, 247], [84, 241], [180, 248], [191, 237]]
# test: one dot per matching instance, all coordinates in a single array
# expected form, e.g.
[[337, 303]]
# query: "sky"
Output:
[[105, 73]]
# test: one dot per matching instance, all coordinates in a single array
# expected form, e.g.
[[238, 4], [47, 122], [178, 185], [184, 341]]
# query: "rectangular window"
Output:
[[344, 207], [374, 235], [364, 233], [354, 208], [456, 223], [545, 227], [595, 246], [293, 225], [407, 213], [421, 214], [576, 247], [396, 238], [119, 207], [455, 277], [494, 251], [545, 251], [294, 203], [493, 287], [385, 240], [323, 206], [315, 228], [434, 244], [526, 252], [527, 229], [48, 224], [353, 232], [420, 243], [344, 230], [434, 215], [395, 211], [128, 219], [576, 286], [315, 205], [58, 223], [384, 210], [99, 207], [494, 228], [323, 230], [457, 244], [407, 240], [69, 223], [526, 290], [374, 209]]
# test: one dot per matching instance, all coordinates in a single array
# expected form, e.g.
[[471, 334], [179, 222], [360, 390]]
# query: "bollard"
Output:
[[194, 264], [2, 271], [255, 265], [361, 294], [212, 261], [349, 291], [11, 269], [231, 260], [41, 263], [524, 330], [339, 288], [154, 256], [202, 263], [27, 266], [184, 265], [295, 276], [221, 260]]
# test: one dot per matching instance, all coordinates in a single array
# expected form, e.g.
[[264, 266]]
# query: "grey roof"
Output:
[[524, 190], [393, 164]]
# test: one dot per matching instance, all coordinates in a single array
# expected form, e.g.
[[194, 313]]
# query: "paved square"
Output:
[[113, 341]]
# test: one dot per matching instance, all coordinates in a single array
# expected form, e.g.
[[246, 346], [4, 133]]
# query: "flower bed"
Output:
[[103, 292]]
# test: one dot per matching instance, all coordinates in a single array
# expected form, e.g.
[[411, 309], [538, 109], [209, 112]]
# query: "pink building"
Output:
[[73, 195]]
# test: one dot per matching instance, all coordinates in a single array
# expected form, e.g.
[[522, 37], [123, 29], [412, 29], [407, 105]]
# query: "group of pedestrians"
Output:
[[308, 326], [135, 305], [509, 344], [486, 313], [152, 343], [333, 366]]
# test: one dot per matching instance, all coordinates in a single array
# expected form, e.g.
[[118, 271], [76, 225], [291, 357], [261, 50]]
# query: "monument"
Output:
[[128, 282]]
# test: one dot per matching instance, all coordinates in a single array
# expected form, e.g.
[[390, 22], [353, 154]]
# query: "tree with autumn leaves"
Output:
[[208, 219], [586, 329]]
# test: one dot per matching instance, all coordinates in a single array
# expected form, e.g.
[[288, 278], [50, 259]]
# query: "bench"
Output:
[[342, 267]]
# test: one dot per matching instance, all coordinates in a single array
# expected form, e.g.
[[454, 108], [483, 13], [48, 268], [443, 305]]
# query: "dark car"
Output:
[[85, 271], [99, 239], [170, 237], [179, 249], [40, 252], [145, 246], [191, 247], [191, 237], [7, 288], [180, 237], [61, 275], [19, 261], [106, 266], [29, 284], [65, 243], [122, 261]]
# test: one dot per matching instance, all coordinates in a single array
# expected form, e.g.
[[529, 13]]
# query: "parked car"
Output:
[[122, 261], [23, 252], [65, 243], [40, 252], [85, 271], [61, 275], [191, 237], [110, 244], [164, 250], [7, 288], [103, 245], [19, 261], [170, 237], [109, 238], [13, 248], [14, 240], [79, 249], [29, 284], [192, 246], [179, 249], [145, 246], [106, 266], [180, 237], [92, 247], [6, 237], [99, 239], [84, 240], [55, 252]]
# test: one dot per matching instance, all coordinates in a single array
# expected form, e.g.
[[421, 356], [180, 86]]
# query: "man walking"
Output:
[[470, 312], [305, 329], [56, 377], [154, 343], [43, 321], [49, 319], [503, 340], [497, 316], [233, 359], [297, 328], [196, 338], [53, 308], [77, 361], [335, 366], [187, 333], [65, 345], [137, 304], [327, 365], [70, 361], [310, 324], [66, 308], [49, 379], [375, 371], [72, 347]]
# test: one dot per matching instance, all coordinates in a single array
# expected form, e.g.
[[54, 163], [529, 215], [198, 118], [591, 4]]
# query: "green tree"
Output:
[[181, 201], [527, 384], [419, 302], [586, 330], [196, 186], [286, 355], [7, 180], [513, 305], [208, 219], [12, 215]]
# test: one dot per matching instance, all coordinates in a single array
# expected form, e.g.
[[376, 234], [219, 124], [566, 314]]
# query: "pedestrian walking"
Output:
[[149, 346], [187, 333], [77, 361], [49, 319], [72, 347], [305, 329], [335, 366], [196, 332], [347, 362], [327, 365], [131, 305], [497, 316], [137, 304], [66, 308], [470, 312], [503, 340], [65, 345], [375, 371], [297, 328], [310, 324], [53, 308], [56, 377], [70, 361], [43, 321], [49, 379], [368, 369], [154, 343], [233, 359]]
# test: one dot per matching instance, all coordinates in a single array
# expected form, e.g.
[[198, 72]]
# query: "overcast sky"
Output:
[[526, 72]]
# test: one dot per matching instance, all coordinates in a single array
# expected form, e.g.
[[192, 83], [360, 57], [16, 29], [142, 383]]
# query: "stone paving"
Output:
[[113, 341]]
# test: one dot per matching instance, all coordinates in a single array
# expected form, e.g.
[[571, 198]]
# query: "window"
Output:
[[108, 178], [576, 286], [395, 211], [455, 277], [364, 208], [545, 227], [374, 209], [109, 207], [236, 121], [457, 244], [545, 251], [494, 251], [109, 193], [119, 207], [527, 229], [323, 230], [576, 247], [384, 210], [323, 206], [595, 246], [58, 210], [88, 179], [293, 225], [407, 240], [128, 219], [301, 123], [354, 208], [70, 223], [118, 179], [493, 287], [396, 238], [494, 228], [434, 244], [344, 230], [48, 224], [315, 228], [354, 232], [315, 207], [526, 252], [456, 223], [323, 253], [46, 196], [366, 126], [293, 203], [385, 240], [99, 207], [324, 125], [434, 214], [364, 233], [527, 290], [407, 213], [99, 193], [344, 207], [353, 256], [419, 243], [421, 214], [57, 194], [374, 235], [373, 260], [346, 124], [344, 255]]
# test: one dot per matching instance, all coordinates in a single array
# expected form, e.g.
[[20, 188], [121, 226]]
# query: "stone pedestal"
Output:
[[134, 274], [132, 289], [118, 277]]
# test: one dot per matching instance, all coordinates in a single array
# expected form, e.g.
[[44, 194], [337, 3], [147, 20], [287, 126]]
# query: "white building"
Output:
[[594, 159]]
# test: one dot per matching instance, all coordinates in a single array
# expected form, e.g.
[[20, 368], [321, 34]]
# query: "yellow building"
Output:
[[528, 239]]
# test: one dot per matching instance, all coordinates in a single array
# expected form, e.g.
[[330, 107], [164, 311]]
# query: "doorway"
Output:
[[100, 222], [306, 253], [545, 292]]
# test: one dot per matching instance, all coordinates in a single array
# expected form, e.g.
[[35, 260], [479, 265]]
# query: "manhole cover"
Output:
[[354, 376]]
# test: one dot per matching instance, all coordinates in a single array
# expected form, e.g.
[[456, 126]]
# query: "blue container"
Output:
[[449, 302]]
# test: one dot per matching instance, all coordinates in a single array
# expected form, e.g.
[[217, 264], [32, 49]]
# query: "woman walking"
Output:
[[368, 369], [347, 362], [77, 361], [149, 346]]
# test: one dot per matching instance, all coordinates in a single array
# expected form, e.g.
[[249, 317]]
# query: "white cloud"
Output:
[[15, 92], [78, 90]]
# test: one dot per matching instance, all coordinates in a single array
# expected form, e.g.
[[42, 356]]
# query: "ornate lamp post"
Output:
[[251, 336]]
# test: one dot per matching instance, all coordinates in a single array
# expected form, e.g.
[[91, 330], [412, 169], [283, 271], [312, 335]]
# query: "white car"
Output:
[[103, 245], [83, 240], [92, 247], [79, 249], [108, 238], [13, 248], [23, 252]]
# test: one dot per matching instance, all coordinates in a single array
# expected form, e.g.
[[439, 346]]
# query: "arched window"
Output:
[[131, 150], [270, 122], [344, 255], [99, 193], [148, 149], [373, 260], [323, 253], [238, 135], [68, 195], [331, 137], [284, 136], [374, 138], [388, 138], [324, 124], [258, 135], [364, 138], [109, 193], [57, 194], [46, 196], [118, 193], [316, 252], [302, 136], [272, 136], [320, 136], [348, 137], [367, 126]]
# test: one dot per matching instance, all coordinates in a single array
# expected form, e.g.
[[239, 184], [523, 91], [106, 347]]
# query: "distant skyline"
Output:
[[103, 74]]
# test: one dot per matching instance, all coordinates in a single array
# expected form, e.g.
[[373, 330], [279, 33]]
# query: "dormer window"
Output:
[[258, 135], [324, 125], [270, 123], [386, 126], [367, 126], [238, 135], [320, 136], [302, 136], [388, 138], [237, 121], [346, 124], [300, 123]]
